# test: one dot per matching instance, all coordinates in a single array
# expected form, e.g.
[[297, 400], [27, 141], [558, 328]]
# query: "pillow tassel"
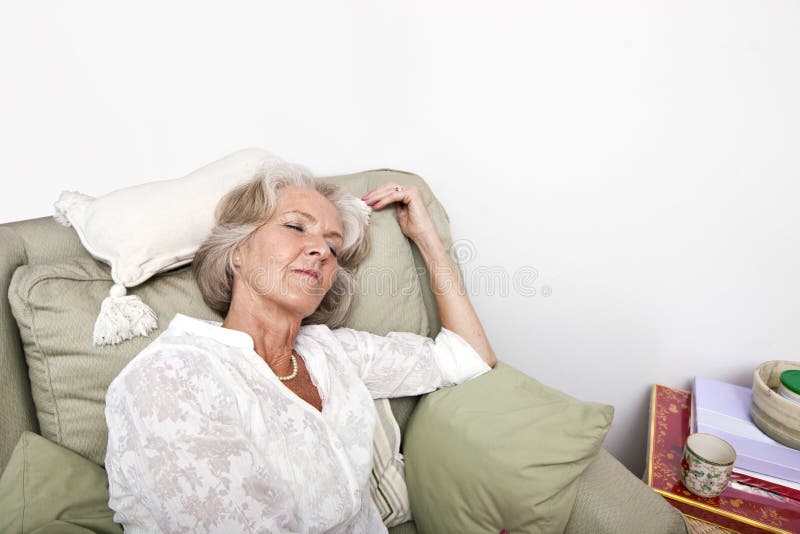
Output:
[[68, 200], [122, 317]]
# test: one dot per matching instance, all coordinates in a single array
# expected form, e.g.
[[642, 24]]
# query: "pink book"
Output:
[[723, 410]]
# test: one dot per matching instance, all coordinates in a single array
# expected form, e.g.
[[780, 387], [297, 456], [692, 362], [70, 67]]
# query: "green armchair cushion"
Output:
[[499, 452], [47, 488]]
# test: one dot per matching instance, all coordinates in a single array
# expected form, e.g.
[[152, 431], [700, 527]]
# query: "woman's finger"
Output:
[[404, 197], [380, 201], [385, 195], [381, 190]]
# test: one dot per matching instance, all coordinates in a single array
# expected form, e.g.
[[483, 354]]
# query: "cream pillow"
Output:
[[149, 228], [154, 227]]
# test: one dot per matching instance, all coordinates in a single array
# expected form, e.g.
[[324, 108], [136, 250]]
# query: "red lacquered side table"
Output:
[[741, 508]]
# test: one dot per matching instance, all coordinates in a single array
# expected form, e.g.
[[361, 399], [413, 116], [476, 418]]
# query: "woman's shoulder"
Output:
[[315, 331], [335, 342], [323, 332]]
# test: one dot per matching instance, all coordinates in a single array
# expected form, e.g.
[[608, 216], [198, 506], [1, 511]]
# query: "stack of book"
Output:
[[723, 410]]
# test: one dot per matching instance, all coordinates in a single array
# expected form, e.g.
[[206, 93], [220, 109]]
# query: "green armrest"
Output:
[[612, 501], [499, 452]]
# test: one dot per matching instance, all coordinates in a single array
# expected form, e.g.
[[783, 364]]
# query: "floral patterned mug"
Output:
[[707, 464]]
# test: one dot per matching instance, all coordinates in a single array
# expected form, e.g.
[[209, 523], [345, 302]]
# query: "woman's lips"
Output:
[[312, 274]]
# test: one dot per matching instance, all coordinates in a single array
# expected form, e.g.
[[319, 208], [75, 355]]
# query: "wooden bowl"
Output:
[[777, 417]]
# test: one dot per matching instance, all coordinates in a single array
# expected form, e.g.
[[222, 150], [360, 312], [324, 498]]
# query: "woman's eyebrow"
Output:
[[313, 220]]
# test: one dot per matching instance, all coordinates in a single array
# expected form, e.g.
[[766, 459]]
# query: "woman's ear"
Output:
[[240, 252]]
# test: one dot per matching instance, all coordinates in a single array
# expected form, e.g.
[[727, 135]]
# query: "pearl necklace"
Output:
[[293, 373]]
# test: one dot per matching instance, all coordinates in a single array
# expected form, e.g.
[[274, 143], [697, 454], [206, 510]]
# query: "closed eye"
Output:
[[299, 228]]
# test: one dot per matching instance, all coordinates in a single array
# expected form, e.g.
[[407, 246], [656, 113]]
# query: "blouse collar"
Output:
[[212, 329]]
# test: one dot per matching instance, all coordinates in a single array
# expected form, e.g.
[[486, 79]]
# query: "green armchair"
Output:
[[501, 452]]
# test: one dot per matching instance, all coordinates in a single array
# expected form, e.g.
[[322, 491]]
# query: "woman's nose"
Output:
[[317, 246]]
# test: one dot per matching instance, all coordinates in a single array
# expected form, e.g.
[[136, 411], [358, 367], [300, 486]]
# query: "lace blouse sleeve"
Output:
[[177, 443], [402, 363]]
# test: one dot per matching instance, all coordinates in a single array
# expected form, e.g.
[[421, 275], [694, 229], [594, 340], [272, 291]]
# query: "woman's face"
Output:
[[290, 262]]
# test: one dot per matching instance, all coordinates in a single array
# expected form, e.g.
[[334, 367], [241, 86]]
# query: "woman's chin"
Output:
[[303, 309], [296, 303]]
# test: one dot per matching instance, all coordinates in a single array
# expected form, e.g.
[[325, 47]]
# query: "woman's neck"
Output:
[[273, 333]]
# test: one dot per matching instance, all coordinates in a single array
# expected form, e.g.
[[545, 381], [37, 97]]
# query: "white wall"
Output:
[[642, 156]]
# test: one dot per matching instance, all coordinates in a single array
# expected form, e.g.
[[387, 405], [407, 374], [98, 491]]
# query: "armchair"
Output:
[[463, 476]]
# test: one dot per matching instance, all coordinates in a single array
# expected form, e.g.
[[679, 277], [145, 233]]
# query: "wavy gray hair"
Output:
[[247, 207]]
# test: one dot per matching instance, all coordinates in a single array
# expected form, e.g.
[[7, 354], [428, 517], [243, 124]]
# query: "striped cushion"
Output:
[[387, 484]]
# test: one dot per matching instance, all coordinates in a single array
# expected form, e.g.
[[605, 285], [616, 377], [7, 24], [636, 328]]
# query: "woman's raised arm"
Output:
[[455, 308]]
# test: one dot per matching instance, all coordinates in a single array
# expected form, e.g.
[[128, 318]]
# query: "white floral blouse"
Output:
[[203, 437]]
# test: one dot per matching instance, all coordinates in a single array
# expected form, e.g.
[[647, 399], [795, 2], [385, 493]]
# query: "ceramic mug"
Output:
[[707, 464]]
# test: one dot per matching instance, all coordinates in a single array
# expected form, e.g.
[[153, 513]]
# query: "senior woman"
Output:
[[264, 423]]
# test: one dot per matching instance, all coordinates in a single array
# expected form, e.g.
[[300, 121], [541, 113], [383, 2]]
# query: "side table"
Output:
[[741, 508]]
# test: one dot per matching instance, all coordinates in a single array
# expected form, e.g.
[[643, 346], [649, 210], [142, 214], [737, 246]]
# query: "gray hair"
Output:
[[247, 207]]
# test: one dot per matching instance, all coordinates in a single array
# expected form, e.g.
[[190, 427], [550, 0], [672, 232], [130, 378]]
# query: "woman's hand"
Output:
[[412, 214]]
